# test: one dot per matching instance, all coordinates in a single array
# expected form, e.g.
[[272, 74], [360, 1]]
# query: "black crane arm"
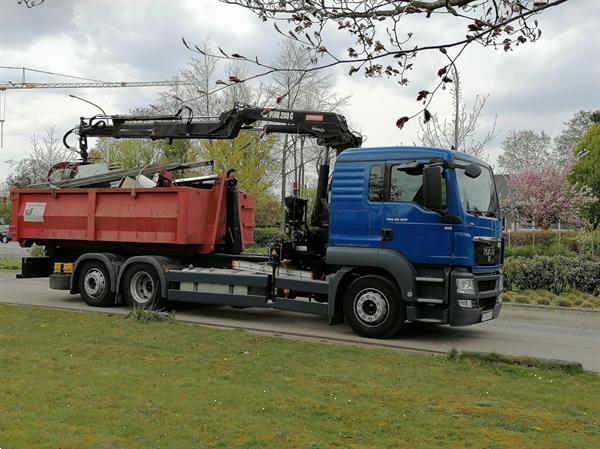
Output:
[[329, 129]]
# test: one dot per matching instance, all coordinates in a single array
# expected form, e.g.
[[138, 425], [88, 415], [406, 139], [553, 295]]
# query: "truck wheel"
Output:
[[141, 287], [4, 239], [94, 285], [373, 307]]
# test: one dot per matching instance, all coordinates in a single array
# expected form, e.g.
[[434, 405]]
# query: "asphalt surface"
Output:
[[564, 335], [12, 250]]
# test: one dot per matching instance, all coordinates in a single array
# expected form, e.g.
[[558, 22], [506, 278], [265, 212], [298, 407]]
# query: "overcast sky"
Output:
[[538, 86]]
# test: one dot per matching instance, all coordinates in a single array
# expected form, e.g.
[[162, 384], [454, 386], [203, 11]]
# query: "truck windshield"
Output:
[[478, 195]]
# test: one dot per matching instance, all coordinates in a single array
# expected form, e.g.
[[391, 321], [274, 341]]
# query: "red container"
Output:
[[181, 218]]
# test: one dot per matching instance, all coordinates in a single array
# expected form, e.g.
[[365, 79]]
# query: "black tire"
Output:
[[94, 285], [4, 239], [373, 307], [141, 287]]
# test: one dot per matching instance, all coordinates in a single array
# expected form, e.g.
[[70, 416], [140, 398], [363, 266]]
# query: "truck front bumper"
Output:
[[483, 303]]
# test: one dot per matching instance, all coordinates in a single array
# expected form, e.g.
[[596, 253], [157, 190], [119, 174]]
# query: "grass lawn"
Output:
[[544, 297], [81, 380], [10, 264]]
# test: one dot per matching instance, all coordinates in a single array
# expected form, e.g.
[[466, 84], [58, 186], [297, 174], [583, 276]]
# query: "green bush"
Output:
[[549, 243], [531, 250], [263, 236], [553, 273], [539, 238]]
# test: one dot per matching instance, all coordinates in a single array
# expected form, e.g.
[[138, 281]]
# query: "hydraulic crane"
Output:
[[329, 129]]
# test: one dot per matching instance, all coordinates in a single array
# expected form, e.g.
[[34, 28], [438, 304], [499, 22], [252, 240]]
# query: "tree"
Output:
[[568, 139], [248, 155], [544, 196], [5, 204], [131, 153], [459, 132], [268, 211], [383, 34], [525, 149], [44, 154], [586, 169], [305, 91]]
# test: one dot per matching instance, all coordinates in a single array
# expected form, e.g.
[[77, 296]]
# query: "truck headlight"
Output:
[[501, 284], [465, 286]]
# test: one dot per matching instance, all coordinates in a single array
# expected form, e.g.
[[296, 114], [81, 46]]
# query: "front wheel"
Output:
[[4, 239], [141, 287], [373, 307]]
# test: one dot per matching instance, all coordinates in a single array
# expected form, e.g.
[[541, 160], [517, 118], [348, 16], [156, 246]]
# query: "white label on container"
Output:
[[34, 212]]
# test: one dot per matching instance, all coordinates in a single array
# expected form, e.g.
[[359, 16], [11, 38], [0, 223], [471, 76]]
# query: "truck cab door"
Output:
[[355, 213], [407, 226]]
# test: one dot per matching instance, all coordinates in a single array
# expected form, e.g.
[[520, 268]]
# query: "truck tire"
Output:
[[4, 239], [141, 287], [94, 285], [373, 307]]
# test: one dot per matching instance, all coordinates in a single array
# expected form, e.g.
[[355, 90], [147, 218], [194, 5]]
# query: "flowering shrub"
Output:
[[544, 196]]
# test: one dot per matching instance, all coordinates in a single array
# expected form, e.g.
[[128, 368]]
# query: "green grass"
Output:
[[80, 380], [497, 358], [10, 264], [544, 297], [258, 250]]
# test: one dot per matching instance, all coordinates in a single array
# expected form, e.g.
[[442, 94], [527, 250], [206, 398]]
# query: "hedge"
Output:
[[572, 240], [264, 236], [553, 273]]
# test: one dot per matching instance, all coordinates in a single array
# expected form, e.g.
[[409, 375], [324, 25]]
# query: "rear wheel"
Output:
[[94, 285], [4, 239], [141, 287], [373, 307]]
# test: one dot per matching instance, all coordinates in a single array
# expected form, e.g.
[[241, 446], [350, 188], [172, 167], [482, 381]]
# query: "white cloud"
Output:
[[537, 86]]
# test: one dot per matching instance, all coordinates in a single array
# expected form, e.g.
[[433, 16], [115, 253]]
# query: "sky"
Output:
[[538, 86]]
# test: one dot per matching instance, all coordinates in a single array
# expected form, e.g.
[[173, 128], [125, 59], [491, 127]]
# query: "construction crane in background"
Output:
[[90, 85], [86, 84]]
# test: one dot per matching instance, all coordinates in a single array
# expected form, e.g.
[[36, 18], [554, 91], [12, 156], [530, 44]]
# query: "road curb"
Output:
[[517, 305]]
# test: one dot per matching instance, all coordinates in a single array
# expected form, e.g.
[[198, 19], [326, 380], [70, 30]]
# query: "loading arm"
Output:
[[329, 129]]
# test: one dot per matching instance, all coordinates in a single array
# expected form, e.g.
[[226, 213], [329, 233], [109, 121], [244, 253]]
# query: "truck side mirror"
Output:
[[432, 187], [473, 171]]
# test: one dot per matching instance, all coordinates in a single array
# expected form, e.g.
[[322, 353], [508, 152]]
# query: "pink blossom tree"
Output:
[[545, 197]]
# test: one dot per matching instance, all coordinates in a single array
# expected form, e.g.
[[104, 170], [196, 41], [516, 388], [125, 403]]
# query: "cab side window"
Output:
[[376, 177], [406, 184]]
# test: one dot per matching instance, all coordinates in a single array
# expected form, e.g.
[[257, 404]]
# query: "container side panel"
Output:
[[247, 207]]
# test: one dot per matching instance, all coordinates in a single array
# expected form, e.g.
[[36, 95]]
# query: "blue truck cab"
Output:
[[422, 227]]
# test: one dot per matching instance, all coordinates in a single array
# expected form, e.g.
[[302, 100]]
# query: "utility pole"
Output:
[[456, 107]]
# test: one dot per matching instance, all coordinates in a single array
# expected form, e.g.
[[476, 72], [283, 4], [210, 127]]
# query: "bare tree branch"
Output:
[[502, 24]]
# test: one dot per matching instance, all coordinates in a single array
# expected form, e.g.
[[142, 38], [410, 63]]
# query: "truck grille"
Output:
[[487, 251], [487, 303]]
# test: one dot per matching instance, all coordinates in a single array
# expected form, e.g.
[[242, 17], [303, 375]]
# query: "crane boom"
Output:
[[329, 129]]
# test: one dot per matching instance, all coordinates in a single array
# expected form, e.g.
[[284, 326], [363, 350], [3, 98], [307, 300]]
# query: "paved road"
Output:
[[565, 335], [12, 250]]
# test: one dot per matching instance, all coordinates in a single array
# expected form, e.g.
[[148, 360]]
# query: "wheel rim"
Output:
[[371, 307], [141, 287], [94, 283]]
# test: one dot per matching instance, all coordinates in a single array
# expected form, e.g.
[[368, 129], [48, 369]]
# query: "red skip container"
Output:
[[181, 219]]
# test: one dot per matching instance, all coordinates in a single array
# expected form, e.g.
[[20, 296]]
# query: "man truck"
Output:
[[396, 235]]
